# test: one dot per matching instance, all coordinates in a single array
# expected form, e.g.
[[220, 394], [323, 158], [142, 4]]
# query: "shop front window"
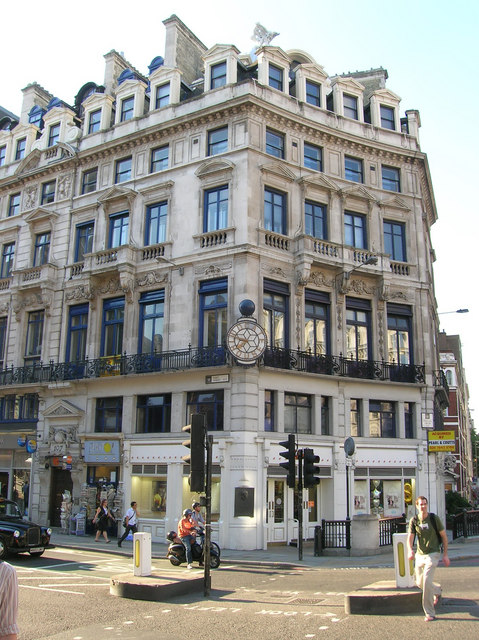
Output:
[[190, 497], [150, 495]]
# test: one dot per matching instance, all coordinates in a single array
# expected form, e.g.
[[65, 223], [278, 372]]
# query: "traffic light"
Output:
[[196, 457], [290, 455], [310, 471]]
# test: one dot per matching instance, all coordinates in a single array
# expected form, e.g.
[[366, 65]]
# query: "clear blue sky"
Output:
[[430, 49]]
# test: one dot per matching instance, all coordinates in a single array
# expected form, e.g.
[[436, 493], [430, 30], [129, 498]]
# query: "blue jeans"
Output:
[[187, 540]]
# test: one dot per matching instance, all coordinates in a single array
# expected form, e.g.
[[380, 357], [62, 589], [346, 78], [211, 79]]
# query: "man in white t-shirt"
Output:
[[131, 522]]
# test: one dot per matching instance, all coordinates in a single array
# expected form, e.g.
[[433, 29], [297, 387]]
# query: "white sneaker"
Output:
[[189, 566]]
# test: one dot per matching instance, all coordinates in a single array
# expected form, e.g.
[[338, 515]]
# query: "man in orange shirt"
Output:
[[187, 534]]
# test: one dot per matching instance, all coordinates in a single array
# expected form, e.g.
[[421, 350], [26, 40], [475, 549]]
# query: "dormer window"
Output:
[[54, 134], [127, 107], [275, 77], [218, 75], [387, 117], [94, 121], [350, 106], [35, 116], [313, 93], [20, 149], [162, 97]]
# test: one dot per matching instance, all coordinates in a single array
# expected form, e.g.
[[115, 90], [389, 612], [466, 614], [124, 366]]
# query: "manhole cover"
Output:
[[308, 601]]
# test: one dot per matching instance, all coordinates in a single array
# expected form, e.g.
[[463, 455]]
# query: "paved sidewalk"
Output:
[[274, 556]]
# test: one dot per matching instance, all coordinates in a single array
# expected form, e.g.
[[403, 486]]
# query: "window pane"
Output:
[[218, 75], [127, 106], [355, 230], [89, 181], [274, 211], [94, 121], [313, 93], [218, 141], [315, 220], [123, 170], [275, 144], [387, 117], [353, 169], [216, 209], [350, 106], [159, 159], [313, 157], [390, 179], [275, 77], [162, 95]]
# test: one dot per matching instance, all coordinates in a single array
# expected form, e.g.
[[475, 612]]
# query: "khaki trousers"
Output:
[[424, 569]]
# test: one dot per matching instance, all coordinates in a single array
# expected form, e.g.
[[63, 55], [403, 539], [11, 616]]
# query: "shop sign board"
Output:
[[441, 441], [104, 451]]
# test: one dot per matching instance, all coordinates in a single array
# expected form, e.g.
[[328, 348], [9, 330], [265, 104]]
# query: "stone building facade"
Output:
[[132, 225]]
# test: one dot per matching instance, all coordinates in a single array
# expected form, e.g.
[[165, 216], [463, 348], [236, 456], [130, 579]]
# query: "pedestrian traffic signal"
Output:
[[196, 457], [290, 455], [310, 471]]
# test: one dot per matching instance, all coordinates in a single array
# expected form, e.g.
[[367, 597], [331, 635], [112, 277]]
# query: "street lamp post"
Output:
[[349, 448]]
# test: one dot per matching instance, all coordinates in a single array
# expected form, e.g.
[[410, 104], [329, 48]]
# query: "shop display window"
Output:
[[190, 497], [150, 496]]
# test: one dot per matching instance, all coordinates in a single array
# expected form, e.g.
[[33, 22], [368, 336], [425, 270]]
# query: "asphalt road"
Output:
[[65, 596]]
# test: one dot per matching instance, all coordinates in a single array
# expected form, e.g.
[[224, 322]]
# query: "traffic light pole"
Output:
[[206, 547], [300, 504]]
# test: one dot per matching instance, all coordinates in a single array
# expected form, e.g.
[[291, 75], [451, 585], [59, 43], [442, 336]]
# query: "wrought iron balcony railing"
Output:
[[341, 366], [196, 357]]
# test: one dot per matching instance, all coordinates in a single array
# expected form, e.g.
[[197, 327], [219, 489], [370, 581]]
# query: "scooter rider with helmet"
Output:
[[197, 516], [187, 534]]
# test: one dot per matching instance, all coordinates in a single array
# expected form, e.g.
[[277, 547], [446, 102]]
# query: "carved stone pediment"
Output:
[[278, 170], [62, 409]]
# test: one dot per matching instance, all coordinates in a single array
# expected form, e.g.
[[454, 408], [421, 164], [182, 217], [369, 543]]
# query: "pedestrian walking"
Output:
[[102, 520], [8, 602], [430, 533], [130, 522]]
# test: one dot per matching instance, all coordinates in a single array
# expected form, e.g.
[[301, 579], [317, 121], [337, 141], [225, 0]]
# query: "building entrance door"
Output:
[[309, 505], [276, 511], [61, 481], [3, 484]]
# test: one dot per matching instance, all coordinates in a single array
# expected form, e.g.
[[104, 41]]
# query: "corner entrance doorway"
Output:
[[61, 481]]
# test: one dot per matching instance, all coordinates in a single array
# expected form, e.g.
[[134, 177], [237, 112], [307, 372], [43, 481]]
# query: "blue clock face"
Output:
[[246, 341]]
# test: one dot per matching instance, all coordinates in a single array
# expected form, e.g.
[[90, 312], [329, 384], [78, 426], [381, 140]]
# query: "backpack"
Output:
[[434, 526]]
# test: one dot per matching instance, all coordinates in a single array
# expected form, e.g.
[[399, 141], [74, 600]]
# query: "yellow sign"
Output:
[[441, 441]]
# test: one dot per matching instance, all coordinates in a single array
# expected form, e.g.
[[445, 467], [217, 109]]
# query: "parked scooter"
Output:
[[176, 553]]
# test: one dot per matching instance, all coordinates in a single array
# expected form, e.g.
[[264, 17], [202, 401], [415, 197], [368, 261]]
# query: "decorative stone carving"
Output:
[[32, 300], [262, 36], [64, 186], [151, 278], [449, 462], [81, 292], [30, 197]]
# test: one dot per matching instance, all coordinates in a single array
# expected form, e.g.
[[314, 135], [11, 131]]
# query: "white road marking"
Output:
[[27, 586]]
